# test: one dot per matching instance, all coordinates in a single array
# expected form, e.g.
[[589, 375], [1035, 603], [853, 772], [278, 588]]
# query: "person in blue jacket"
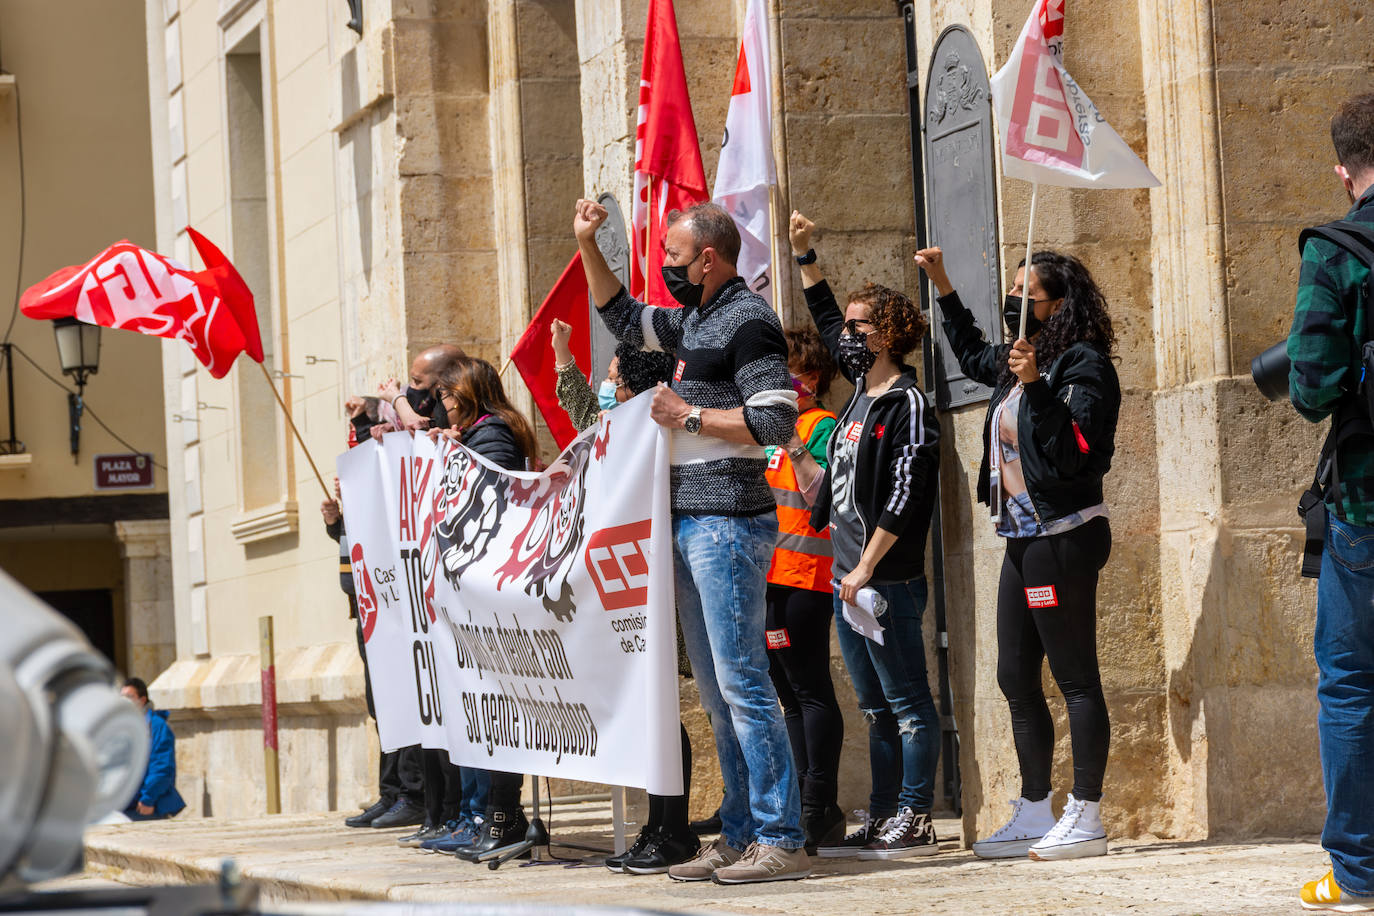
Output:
[[158, 797]]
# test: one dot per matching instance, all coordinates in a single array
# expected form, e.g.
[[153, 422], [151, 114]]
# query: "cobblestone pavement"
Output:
[[314, 858]]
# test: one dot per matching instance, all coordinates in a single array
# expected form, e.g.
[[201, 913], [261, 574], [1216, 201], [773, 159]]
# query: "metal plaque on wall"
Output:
[[961, 194], [614, 243]]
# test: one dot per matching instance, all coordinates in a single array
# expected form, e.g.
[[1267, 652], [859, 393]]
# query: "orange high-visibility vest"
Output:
[[802, 556]]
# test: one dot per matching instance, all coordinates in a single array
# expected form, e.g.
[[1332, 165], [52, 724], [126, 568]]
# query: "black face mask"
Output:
[[426, 403], [1011, 314], [855, 354], [420, 400], [680, 288]]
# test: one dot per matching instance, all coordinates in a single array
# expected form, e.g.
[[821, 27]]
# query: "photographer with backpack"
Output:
[[1330, 327]]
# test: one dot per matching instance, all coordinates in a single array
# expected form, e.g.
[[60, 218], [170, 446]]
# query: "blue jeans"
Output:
[[1344, 645], [721, 565], [475, 783], [894, 695]]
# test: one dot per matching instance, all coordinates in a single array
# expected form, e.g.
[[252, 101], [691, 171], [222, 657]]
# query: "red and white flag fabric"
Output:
[[1051, 131], [668, 171], [533, 353], [134, 289], [747, 170]]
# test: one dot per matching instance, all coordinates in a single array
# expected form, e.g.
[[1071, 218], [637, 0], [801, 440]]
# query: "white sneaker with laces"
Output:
[[1030, 820], [1078, 834]]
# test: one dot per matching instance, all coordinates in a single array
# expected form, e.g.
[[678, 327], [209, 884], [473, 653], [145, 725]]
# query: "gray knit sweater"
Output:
[[731, 353]]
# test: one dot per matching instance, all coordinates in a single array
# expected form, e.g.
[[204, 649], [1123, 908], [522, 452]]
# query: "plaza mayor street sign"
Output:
[[133, 471]]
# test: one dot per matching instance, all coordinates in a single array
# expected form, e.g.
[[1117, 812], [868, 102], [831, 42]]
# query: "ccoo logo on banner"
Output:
[[523, 622]]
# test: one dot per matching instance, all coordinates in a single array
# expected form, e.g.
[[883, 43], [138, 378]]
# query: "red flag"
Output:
[[134, 289], [533, 353], [668, 172]]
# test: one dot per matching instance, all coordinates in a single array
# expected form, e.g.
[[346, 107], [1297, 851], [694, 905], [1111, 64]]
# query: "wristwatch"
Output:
[[797, 452], [693, 422], [808, 258]]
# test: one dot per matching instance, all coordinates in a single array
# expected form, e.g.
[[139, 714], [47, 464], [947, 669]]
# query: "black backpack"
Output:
[[1351, 418]]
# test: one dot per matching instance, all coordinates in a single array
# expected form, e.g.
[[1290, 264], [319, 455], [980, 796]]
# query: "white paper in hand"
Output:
[[862, 616]]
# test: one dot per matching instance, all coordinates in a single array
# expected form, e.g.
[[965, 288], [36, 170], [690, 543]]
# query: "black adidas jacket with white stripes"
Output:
[[899, 454]]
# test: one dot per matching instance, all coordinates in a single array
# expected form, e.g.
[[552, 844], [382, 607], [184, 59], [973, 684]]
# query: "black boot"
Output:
[[504, 826], [823, 826]]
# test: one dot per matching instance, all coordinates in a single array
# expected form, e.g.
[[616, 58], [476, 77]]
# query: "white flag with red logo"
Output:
[[668, 171], [746, 170], [1051, 131]]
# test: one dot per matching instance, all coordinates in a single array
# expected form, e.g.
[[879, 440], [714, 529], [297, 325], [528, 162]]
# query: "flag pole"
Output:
[[1025, 280], [773, 252], [292, 423]]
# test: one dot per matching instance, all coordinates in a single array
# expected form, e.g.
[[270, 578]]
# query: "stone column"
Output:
[[146, 548]]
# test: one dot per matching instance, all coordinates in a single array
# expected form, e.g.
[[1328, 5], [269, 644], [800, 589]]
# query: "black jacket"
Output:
[[494, 440], [895, 473], [1071, 412]]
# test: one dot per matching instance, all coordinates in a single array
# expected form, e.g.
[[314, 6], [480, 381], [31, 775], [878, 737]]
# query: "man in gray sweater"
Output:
[[731, 396]]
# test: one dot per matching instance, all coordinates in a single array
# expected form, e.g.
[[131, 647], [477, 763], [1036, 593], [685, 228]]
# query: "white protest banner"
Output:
[[522, 621]]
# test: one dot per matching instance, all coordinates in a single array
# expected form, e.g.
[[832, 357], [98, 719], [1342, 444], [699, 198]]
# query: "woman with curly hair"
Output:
[[1047, 443], [876, 498]]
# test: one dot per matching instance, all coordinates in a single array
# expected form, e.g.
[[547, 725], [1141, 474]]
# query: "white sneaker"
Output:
[[1030, 820], [1078, 834]]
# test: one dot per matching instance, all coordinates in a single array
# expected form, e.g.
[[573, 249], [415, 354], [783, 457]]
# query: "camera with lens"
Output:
[[1270, 371]]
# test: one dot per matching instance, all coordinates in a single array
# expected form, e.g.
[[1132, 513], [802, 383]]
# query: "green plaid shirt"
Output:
[[1329, 326]]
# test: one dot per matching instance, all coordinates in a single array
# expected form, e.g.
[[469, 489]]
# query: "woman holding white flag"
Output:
[[1047, 443]]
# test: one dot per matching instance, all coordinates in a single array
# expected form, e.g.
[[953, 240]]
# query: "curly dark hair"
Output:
[[1082, 318], [806, 352], [641, 370], [894, 316]]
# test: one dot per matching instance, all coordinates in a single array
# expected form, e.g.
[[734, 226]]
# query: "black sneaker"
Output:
[[503, 827], [908, 833], [823, 827], [664, 851], [869, 830], [403, 813], [369, 814], [707, 825], [617, 863]]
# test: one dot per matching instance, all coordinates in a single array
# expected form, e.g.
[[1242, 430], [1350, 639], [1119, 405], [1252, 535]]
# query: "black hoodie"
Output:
[[895, 471]]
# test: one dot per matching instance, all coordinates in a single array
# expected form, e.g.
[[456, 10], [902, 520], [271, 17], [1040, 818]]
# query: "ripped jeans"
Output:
[[894, 696]]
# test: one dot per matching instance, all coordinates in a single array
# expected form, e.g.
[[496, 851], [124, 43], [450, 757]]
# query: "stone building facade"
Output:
[[413, 183]]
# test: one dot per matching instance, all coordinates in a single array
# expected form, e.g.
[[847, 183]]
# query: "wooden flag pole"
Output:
[[773, 253], [1025, 280], [292, 423]]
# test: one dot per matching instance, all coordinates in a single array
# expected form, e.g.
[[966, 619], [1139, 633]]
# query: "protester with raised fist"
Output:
[[729, 398], [1048, 440], [877, 500], [800, 597]]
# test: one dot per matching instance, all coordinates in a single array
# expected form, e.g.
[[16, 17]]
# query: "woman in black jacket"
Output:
[[877, 499], [1048, 441], [484, 420]]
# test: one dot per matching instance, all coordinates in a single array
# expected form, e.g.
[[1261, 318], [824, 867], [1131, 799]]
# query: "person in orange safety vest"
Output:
[[800, 602]]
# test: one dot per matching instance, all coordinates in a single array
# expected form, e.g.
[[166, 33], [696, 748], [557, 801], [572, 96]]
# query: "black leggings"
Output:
[[443, 787], [1058, 573], [801, 675]]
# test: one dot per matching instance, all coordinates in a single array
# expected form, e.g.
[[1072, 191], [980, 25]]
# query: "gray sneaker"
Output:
[[718, 855], [765, 863]]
